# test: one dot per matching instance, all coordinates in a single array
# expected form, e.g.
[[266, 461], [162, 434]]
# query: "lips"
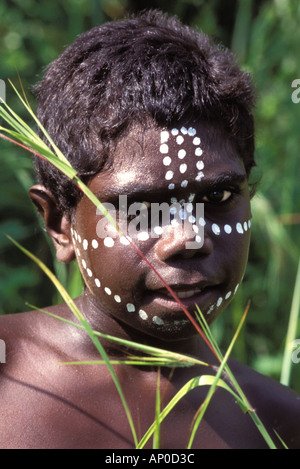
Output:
[[185, 294], [189, 294]]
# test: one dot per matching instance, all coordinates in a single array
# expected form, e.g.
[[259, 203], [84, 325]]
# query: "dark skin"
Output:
[[48, 405]]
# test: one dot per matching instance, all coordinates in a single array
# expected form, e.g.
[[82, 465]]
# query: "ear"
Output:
[[58, 225]]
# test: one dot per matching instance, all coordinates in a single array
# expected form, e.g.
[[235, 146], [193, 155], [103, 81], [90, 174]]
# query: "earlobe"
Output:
[[57, 224]]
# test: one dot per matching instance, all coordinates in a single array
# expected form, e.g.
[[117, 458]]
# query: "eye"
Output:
[[138, 209], [217, 197]]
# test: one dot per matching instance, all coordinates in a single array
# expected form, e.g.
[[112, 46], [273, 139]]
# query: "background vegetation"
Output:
[[265, 35]]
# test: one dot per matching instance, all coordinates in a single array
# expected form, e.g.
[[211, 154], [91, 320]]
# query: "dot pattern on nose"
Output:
[[180, 137]]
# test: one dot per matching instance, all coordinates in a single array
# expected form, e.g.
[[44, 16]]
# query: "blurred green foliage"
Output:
[[264, 35]]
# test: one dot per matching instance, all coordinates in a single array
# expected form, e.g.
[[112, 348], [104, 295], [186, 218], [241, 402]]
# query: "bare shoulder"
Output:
[[34, 337], [277, 405], [37, 392]]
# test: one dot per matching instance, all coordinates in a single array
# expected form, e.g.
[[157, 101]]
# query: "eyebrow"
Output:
[[134, 190], [227, 177]]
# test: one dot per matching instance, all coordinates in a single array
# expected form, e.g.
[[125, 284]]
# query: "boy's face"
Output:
[[202, 256]]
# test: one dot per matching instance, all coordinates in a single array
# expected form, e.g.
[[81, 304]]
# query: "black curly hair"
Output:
[[145, 67]]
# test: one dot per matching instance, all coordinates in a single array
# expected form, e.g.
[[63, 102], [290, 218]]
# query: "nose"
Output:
[[176, 242]]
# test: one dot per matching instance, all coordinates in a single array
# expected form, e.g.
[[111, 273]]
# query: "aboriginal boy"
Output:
[[151, 110]]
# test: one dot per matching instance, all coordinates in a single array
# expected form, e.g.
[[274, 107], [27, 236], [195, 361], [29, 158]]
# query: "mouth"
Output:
[[183, 294], [189, 295]]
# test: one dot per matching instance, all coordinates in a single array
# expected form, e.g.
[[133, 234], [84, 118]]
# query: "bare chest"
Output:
[[82, 408]]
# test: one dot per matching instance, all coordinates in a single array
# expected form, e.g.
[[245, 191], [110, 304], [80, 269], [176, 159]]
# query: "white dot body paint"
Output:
[[191, 131], [124, 240], [181, 154], [107, 290], [169, 175], [219, 302], [216, 229], [158, 321], [89, 272], [97, 283], [158, 230], [130, 308], [164, 148], [184, 183], [189, 207], [228, 295], [183, 168], [196, 141], [198, 151], [171, 186], [227, 229], [199, 176], [174, 132], [180, 140], [239, 228], [143, 236], [143, 315], [85, 244], [167, 161], [117, 299], [83, 263], [164, 136], [108, 242], [94, 243]]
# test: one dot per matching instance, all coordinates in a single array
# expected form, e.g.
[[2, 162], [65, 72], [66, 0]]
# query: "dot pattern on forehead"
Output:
[[181, 135]]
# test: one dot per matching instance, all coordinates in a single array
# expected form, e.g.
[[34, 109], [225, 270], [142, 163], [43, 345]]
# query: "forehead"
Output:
[[178, 157]]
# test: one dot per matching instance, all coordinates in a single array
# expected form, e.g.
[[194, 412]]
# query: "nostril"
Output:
[[176, 244]]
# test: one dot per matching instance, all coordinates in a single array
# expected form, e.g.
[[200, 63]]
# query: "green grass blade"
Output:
[[198, 381], [291, 332], [68, 300], [242, 399], [156, 437], [171, 358], [30, 111]]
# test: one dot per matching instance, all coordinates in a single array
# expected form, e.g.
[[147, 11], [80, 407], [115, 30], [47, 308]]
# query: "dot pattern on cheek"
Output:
[[220, 300], [240, 228]]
